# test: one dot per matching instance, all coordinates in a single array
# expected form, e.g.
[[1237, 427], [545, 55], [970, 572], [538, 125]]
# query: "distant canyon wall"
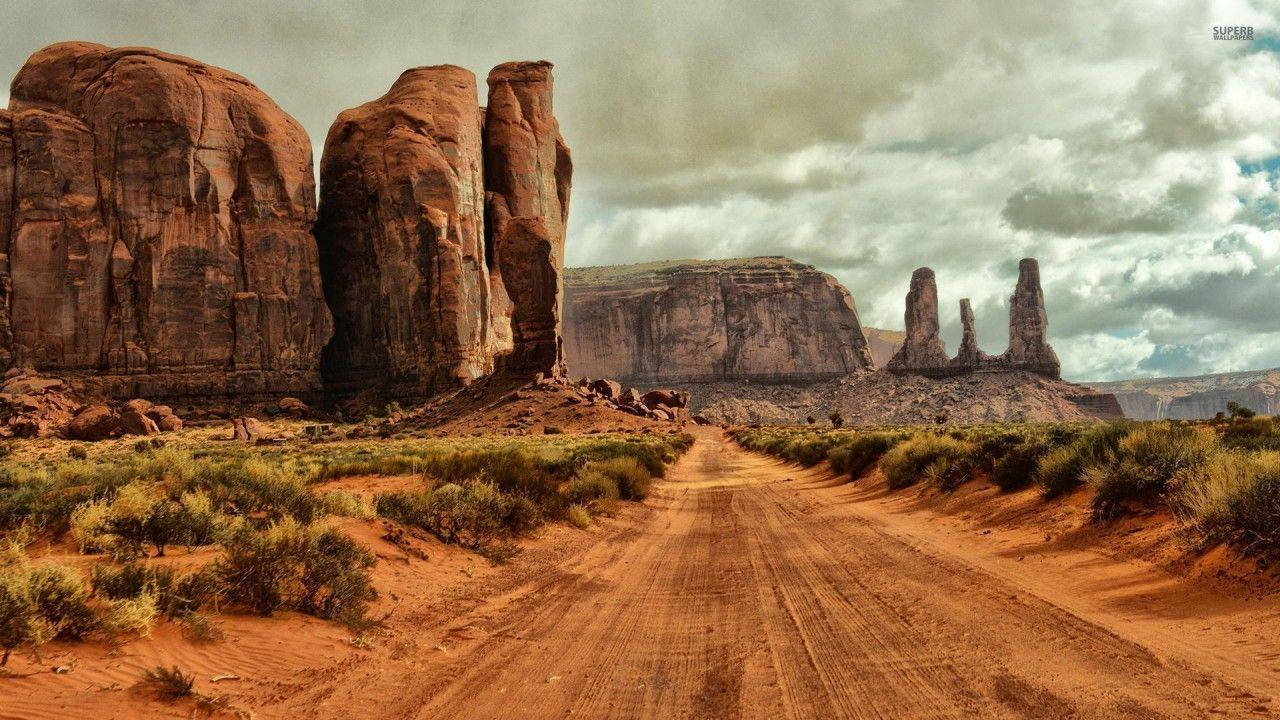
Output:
[[763, 319], [156, 230], [1196, 397]]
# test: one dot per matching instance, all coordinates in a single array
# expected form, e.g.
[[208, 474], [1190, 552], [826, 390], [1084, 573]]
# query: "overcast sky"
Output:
[[1136, 156]]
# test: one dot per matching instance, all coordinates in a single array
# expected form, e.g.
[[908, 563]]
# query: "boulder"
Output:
[[137, 405], [527, 174], [669, 398], [158, 234], [293, 407], [156, 412], [607, 388], [93, 422], [631, 398], [169, 423], [246, 429], [135, 423], [768, 318]]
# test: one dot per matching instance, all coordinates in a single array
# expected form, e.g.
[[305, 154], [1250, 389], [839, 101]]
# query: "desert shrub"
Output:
[[39, 601], [948, 472], [255, 486], [405, 507], [130, 616], [906, 462], [855, 455], [1016, 468], [578, 516], [334, 576], [1062, 469], [20, 624], [201, 524], [520, 515], [1232, 497], [198, 627], [176, 595], [808, 449], [347, 504], [589, 486], [1144, 462], [77, 452], [259, 566], [171, 683], [631, 478]]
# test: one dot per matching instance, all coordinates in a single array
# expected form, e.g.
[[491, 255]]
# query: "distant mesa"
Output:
[[768, 319], [922, 351]]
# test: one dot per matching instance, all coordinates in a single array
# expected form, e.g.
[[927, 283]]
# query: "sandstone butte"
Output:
[[156, 219], [768, 318], [441, 231]]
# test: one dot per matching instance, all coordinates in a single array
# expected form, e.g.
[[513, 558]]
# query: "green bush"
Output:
[[176, 595], [628, 474], [590, 486], [1062, 469], [1144, 462], [855, 455], [39, 602], [906, 462], [1233, 497], [1017, 467], [317, 571]]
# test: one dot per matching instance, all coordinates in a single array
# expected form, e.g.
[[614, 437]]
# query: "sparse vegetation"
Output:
[[172, 682], [1220, 477]]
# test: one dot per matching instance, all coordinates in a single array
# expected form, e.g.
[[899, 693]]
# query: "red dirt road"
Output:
[[756, 590]]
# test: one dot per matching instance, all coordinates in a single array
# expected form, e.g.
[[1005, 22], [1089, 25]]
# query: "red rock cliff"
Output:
[[694, 321], [401, 234], [159, 239]]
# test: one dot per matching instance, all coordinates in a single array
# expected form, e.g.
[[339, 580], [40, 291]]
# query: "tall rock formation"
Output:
[[922, 351], [1028, 325], [970, 356], [159, 235], [527, 170], [8, 158], [402, 240], [765, 318]]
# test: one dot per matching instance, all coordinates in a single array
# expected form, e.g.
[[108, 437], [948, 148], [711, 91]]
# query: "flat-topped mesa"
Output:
[[768, 319], [158, 240], [970, 356], [922, 351], [401, 237], [1029, 348], [528, 171]]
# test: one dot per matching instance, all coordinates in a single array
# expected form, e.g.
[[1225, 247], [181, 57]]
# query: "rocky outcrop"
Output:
[[8, 159], [401, 237], [442, 232], [769, 319], [970, 356], [527, 170], [922, 351], [1028, 325], [158, 242]]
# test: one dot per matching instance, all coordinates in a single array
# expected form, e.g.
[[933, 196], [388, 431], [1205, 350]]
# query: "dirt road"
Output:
[[754, 589]]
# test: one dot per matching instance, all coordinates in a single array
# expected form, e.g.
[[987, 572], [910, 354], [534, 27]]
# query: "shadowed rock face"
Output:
[[1028, 325], [528, 171], [8, 159], [159, 239], [401, 237], [695, 321], [922, 349]]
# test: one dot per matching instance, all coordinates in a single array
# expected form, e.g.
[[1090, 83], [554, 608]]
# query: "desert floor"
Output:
[[744, 588]]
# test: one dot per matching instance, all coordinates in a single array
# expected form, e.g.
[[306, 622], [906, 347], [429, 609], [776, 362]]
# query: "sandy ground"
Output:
[[746, 588]]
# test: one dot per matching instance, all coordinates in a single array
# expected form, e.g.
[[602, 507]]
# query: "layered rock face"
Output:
[[528, 171], [1196, 397], [401, 237], [158, 237], [442, 232], [769, 319], [922, 352]]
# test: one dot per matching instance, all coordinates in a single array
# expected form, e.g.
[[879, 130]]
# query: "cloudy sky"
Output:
[[1136, 156]]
